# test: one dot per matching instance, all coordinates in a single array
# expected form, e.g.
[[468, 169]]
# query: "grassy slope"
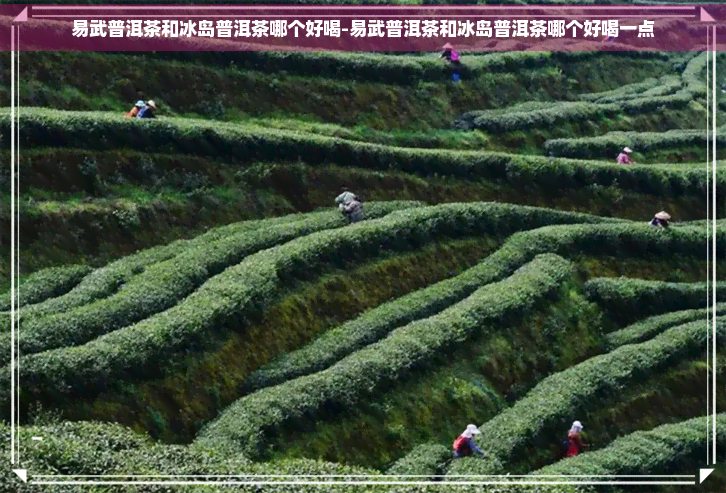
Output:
[[123, 218], [65, 81], [175, 407], [452, 390], [493, 372]]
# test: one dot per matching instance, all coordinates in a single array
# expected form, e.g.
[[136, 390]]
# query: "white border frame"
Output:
[[15, 366]]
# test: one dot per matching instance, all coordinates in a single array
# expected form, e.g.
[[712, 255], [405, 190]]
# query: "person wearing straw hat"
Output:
[[148, 110], [454, 58], [135, 110], [574, 440], [661, 219], [464, 444], [624, 157]]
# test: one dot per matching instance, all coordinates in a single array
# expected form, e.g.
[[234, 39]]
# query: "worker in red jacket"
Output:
[[464, 445]]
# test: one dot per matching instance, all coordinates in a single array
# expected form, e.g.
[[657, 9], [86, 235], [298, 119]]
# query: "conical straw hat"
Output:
[[663, 215]]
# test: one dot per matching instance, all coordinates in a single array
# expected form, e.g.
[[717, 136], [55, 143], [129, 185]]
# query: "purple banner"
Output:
[[359, 28]]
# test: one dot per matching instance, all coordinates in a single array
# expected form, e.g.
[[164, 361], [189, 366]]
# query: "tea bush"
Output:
[[541, 416], [45, 284], [250, 425]]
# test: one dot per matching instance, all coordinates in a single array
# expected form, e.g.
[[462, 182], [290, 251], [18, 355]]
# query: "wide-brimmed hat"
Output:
[[576, 425], [447, 46], [152, 104], [140, 103], [628, 150], [471, 430], [663, 215]]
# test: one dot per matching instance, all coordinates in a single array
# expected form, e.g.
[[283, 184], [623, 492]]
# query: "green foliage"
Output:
[[231, 300], [627, 91], [370, 327], [632, 99], [104, 282], [45, 284], [429, 459], [388, 69], [627, 300], [494, 121], [650, 327], [251, 424], [612, 143], [101, 131], [605, 239], [670, 447], [545, 413], [164, 284]]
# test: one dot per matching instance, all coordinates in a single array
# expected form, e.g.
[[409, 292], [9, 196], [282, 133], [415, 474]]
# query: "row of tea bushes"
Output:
[[232, 300], [45, 284], [164, 284], [104, 131], [627, 300], [652, 326], [375, 324], [608, 238], [671, 447], [539, 418], [252, 424]]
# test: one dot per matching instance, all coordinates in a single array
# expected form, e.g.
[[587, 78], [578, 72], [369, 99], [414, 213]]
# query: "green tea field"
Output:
[[192, 301]]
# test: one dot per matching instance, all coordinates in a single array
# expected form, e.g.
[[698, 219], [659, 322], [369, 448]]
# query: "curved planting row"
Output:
[[391, 69], [627, 99], [370, 327], [669, 447], [562, 397], [627, 300], [665, 85], [229, 300], [496, 121], [248, 425], [610, 239], [650, 327], [612, 142], [164, 284], [111, 449], [105, 281], [45, 284], [103, 131]]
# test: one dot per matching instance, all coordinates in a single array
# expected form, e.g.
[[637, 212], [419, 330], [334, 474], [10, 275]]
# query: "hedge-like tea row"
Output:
[[230, 300], [250, 425], [540, 418], [103, 131], [692, 75], [611, 143], [494, 121], [526, 120], [681, 446], [627, 90], [627, 300], [44, 284], [429, 459], [107, 280], [388, 69], [605, 239], [164, 284], [339, 342], [85, 448], [628, 99], [649, 328]]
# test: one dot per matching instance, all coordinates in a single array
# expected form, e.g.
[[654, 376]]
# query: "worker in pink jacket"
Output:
[[624, 157]]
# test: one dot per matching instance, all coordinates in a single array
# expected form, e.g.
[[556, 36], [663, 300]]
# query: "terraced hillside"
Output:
[[191, 302]]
